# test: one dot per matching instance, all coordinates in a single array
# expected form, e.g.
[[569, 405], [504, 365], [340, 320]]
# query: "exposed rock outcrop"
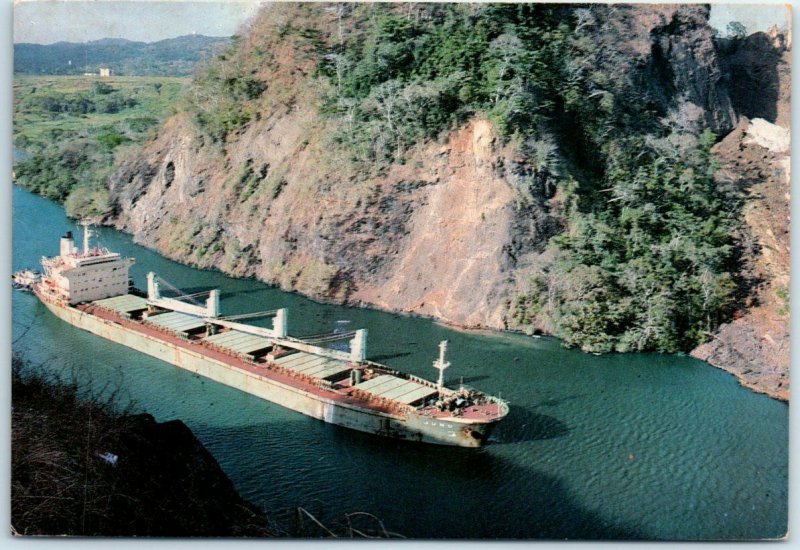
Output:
[[757, 75], [755, 346], [674, 45]]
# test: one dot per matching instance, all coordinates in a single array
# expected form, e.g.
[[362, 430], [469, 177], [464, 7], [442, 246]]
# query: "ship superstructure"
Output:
[[77, 276], [90, 289]]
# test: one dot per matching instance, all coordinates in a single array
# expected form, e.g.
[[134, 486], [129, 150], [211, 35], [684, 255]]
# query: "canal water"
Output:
[[644, 446]]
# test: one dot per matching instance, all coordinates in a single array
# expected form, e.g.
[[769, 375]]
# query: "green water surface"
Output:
[[643, 446]]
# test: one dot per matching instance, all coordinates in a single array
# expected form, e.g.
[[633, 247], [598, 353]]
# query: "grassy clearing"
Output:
[[41, 104]]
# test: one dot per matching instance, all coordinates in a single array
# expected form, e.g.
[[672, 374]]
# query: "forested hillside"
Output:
[[170, 57], [546, 168], [646, 259]]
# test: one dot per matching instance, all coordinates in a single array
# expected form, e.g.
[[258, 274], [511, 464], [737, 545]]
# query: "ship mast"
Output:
[[86, 235], [440, 363]]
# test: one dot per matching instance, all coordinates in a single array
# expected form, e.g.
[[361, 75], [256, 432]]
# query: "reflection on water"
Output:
[[618, 446]]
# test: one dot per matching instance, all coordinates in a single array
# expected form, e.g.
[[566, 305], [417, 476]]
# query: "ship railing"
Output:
[[501, 403], [382, 401], [422, 381]]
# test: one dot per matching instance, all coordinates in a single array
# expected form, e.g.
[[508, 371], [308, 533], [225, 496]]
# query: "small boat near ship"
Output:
[[90, 288]]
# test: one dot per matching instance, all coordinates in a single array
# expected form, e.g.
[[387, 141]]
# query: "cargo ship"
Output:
[[91, 289]]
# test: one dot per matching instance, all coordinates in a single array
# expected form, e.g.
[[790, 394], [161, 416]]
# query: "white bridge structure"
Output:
[[211, 315]]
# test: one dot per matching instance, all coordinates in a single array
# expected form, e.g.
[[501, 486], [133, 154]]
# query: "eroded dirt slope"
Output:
[[755, 346], [439, 234]]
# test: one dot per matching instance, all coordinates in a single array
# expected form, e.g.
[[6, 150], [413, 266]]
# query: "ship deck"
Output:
[[383, 393], [261, 370]]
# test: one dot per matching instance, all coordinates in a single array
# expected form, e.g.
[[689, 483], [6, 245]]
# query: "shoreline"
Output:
[[782, 395]]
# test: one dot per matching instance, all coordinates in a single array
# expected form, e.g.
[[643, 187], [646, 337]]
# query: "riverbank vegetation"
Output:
[[69, 131]]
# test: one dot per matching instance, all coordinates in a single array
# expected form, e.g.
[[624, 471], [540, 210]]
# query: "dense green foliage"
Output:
[[221, 94], [648, 266], [645, 261], [408, 75], [170, 57], [69, 132]]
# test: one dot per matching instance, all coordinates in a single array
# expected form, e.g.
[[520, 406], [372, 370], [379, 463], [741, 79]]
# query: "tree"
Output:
[[542, 154], [509, 50], [736, 30], [384, 99], [340, 64]]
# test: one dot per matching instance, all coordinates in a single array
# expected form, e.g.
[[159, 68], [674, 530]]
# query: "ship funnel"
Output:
[[358, 346], [280, 323], [212, 304], [67, 247], [153, 292], [440, 363]]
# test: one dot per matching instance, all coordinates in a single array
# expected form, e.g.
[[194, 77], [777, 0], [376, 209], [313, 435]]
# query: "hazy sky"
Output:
[[48, 21], [755, 17]]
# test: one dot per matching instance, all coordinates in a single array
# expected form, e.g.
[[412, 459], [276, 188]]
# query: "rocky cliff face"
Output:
[[755, 159], [422, 237], [440, 234], [757, 74], [672, 49], [448, 233]]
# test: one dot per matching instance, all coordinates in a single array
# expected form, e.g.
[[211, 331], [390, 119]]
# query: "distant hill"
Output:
[[170, 57]]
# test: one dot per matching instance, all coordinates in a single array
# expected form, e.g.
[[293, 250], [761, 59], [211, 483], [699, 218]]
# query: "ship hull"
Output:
[[410, 427]]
